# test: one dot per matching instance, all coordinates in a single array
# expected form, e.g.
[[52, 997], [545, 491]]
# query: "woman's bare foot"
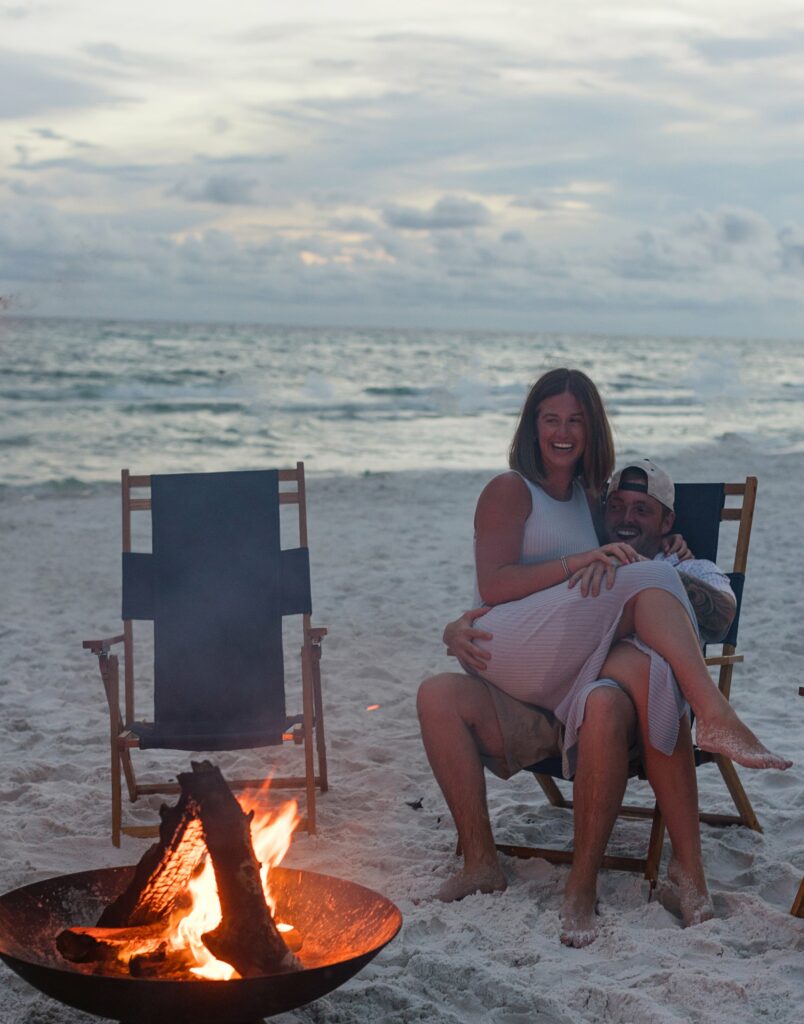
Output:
[[578, 915], [685, 896], [465, 883], [724, 733]]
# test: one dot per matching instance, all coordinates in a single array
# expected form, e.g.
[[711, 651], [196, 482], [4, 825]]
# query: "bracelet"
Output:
[[565, 567]]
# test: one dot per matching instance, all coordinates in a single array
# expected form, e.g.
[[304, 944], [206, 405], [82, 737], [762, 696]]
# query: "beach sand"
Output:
[[391, 557]]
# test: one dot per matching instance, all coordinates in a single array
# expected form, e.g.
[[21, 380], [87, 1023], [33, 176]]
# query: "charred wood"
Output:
[[206, 820]]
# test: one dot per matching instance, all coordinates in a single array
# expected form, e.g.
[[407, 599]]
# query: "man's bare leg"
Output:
[[458, 720], [661, 622], [603, 742], [675, 785]]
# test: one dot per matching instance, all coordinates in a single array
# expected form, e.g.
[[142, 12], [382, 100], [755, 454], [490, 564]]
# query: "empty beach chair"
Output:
[[216, 584]]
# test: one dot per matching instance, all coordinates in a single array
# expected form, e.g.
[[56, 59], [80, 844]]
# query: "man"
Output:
[[467, 723]]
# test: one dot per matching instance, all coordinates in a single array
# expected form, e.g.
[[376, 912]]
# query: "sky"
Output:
[[593, 165]]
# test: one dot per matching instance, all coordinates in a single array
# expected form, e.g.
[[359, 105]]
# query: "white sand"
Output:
[[392, 562]]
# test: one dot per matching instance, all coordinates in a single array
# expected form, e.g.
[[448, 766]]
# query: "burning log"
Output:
[[104, 945], [206, 821]]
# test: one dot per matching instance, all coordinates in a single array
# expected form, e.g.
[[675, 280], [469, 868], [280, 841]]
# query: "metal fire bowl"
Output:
[[343, 926]]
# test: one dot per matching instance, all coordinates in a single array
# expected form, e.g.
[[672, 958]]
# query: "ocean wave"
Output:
[[83, 395], [66, 487], [168, 408]]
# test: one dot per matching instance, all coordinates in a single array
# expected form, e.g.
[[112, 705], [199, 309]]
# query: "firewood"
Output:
[[161, 963], [207, 819], [102, 945]]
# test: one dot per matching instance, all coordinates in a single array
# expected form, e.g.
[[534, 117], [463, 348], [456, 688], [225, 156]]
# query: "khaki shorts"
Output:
[[530, 733]]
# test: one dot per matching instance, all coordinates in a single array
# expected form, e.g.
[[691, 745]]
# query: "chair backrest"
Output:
[[216, 585], [700, 509]]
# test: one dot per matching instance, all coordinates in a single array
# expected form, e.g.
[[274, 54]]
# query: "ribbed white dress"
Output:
[[548, 648]]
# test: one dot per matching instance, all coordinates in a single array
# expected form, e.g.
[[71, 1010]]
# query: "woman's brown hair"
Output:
[[597, 463]]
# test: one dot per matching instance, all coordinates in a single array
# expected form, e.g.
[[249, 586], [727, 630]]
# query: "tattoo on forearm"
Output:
[[713, 609]]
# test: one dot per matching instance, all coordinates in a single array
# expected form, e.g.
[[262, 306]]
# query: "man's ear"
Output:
[[667, 522]]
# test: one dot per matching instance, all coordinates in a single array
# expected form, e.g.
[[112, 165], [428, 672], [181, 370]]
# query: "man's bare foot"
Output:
[[684, 896], [578, 916], [464, 883], [724, 733]]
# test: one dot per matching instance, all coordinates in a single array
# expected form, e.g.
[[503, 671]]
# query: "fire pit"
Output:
[[344, 926], [202, 930]]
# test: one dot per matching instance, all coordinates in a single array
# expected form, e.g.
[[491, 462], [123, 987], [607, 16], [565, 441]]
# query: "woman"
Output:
[[552, 647]]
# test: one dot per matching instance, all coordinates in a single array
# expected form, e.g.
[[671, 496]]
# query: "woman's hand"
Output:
[[459, 636], [622, 554], [605, 562], [674, 544]]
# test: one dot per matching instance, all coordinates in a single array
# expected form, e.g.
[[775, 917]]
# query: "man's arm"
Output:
[[714, 608]]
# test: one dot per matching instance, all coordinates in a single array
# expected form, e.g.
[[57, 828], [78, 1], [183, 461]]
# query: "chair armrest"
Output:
[[725, 659], [102, 646]]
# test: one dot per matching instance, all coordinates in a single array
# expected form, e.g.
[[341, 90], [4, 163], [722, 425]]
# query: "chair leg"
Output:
[[655, 846], [318, 700], [738, 794], [552, 792], [797, 910], [112, 679], [308, 711], [128, 772]]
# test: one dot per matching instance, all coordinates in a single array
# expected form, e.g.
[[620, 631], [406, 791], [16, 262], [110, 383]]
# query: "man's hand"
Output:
[[459, 636], [674, 544], [593, 575]]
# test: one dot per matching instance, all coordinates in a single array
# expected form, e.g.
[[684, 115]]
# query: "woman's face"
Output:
[[561, 432]]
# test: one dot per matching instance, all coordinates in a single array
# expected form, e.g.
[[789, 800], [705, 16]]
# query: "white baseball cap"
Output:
[[657, 483]]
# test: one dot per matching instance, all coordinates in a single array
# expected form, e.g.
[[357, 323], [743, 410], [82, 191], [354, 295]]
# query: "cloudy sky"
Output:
[[585, 165]]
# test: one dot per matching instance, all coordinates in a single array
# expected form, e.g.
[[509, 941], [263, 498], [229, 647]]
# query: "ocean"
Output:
[[81, 399]]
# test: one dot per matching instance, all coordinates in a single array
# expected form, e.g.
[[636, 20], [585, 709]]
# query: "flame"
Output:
[[204, 916], [373, 707], [271, 833]]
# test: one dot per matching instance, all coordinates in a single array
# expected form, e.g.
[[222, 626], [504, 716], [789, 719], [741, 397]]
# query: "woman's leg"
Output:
[[662, 623], [674, 782], [609, 725]]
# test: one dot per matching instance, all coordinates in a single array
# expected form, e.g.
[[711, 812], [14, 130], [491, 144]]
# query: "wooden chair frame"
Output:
[[797, 910], [743, 496], [306, 729]]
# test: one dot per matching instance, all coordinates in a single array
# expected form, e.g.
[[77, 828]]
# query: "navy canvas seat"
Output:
[[216, 585], [700, 511]]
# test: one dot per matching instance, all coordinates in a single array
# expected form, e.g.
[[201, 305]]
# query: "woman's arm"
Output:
[[502, 509]]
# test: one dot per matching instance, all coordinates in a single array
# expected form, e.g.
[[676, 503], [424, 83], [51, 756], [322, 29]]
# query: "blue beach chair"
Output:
[[216, 586], [700, 511]]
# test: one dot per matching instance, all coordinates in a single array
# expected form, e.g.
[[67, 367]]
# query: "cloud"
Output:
[[355, 225], [531, 203], [123, 61], [222, 189], [710, 245], [731, 49], [450, 212], [31, 85]]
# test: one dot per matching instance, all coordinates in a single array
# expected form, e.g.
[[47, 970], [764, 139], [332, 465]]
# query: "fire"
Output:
[[271, 833]]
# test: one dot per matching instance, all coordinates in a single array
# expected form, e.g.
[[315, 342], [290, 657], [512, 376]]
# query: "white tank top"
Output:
[[553, 528]]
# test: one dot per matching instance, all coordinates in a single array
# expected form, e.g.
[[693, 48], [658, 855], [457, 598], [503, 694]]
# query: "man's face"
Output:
[[637, 519]]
